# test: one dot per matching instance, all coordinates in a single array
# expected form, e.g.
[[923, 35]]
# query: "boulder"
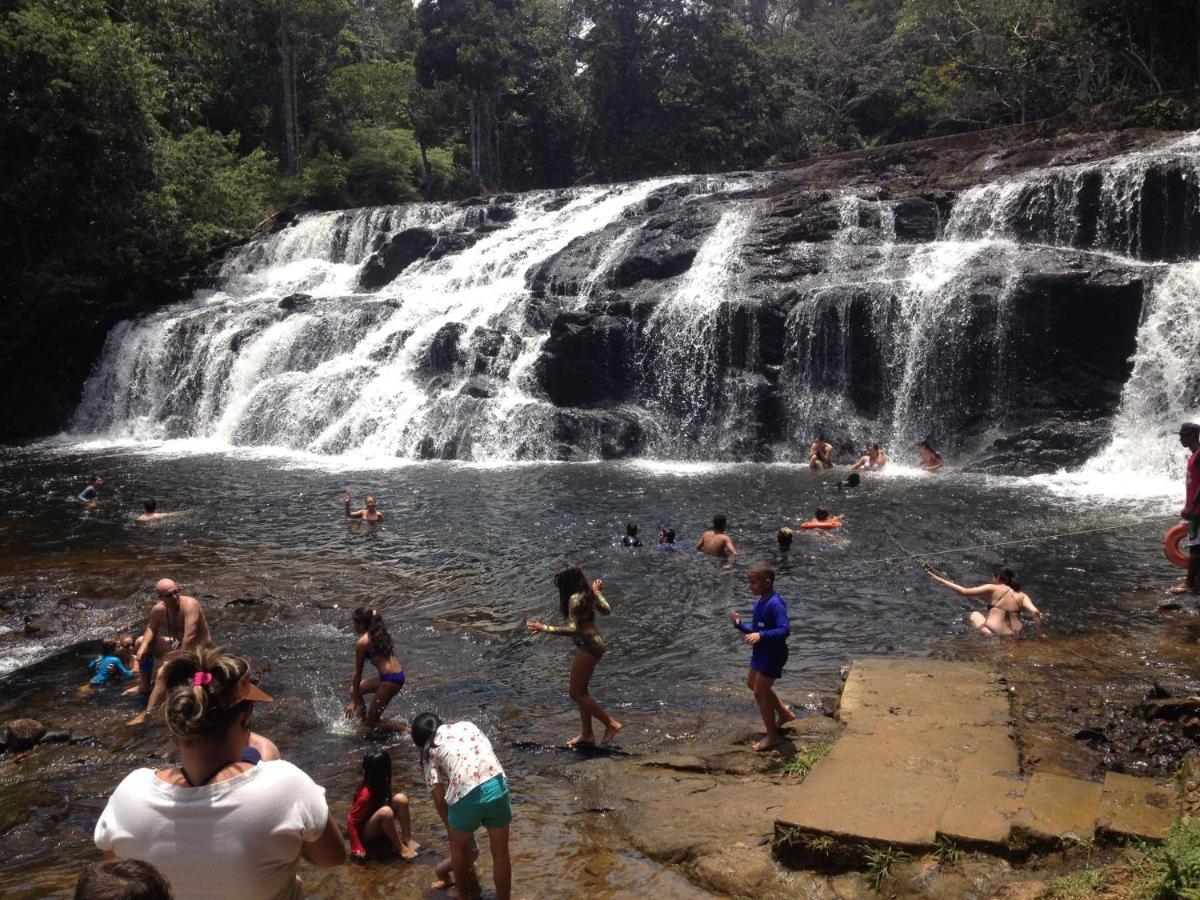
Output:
[[916, 220], [585, 360], [23, 734], [444, 352], [453, 243], [296, 302], [404, 248]]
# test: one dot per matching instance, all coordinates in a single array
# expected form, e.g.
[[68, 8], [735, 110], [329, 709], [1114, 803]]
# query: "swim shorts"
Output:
[[770, 664], [487, 805], [147, 664]]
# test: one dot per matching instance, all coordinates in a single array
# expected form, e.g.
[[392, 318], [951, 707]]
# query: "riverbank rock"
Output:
[[400, 252], [23, 734]]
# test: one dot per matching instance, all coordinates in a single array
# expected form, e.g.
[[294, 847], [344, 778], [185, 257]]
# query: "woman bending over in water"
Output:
[[1005, 602], [931, 460], [579, 601], [374, 644]]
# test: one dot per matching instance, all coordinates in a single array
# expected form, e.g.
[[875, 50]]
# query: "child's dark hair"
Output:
[[108, 646], [150, 505], [377, 777], [631, 529], [1007, 576], [821, 514], [122, 879], [423, 729], [370, 621], [669, 534], [570, 581], [720, 523]]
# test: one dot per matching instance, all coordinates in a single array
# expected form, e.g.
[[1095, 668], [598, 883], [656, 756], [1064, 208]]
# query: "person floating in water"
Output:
[[90, 494], [931, 460], [784, 537], [715, 542], [853, 480], [579, 602], [666, 540], [176, 623], [370, 512], [631, 538], [378, 813], [113, 661], [820, 454], [767, 633], [872, 461], [152, 514], [822, 520], [1189, 436], [374, 643], [1005, 602]]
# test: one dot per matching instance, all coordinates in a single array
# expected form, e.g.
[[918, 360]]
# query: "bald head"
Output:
[[166, 588]]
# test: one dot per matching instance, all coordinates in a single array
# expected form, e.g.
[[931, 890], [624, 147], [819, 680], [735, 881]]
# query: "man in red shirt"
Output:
[[1189, 436]]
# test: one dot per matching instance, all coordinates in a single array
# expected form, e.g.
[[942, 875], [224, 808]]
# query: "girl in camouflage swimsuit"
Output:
[[579, 601]]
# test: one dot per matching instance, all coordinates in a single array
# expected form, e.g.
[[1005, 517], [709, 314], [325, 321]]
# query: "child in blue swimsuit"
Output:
[[108, 663], [767, 633]]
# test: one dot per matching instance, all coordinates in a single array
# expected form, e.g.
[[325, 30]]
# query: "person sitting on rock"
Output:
[[820, 454], [109, 663]]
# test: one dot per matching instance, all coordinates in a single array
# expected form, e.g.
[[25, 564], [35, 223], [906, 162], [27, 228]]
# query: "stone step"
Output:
[[1137, 808], [980, 810], [1055, 809]]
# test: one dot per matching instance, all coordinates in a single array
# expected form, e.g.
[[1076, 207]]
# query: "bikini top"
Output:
[[1012, 615]]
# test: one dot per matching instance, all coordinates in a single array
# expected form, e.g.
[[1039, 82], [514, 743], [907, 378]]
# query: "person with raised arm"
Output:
[[369, 513], [1005, 599]]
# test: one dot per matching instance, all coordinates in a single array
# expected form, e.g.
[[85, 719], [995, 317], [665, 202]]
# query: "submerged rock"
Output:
[[23, 734]]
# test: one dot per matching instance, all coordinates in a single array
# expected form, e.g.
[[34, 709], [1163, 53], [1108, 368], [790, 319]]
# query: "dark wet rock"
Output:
[[478, 386], [23, 734], [585, 360], [665, 246], [39, 624], [501, 214], [404, 249], [453, 243], [444, 351], [556, 203], [916, 220], [391, 346], [296, 302], [60, 736], [1168, 709]]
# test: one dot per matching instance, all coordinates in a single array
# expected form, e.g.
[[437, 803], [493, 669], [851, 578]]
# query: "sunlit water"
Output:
[[465, 558]]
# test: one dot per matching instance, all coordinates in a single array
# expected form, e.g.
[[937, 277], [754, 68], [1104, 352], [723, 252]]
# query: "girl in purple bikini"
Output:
[[374, 644]]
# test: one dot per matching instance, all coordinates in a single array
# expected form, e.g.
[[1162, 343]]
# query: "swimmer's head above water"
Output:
[[821, 514], [784, 536], [631, 529], [150, 505], [720, 523], [1006, 576]]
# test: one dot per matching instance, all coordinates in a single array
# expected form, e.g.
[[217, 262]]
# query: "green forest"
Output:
[[138, 135]]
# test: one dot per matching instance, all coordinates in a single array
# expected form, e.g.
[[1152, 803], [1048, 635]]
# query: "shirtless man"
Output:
[[152, 514], [176, 623], [873, 460], [820, 454], [715, 542], [1189, 437], [370, 514], [1005, 602]]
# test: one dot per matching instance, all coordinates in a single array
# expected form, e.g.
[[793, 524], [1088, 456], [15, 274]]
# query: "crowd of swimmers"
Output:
[[261, 815]]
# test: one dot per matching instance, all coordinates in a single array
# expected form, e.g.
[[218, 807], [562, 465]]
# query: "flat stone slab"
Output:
[[1058, 808], [852, 801], [953, 693], [980, 811], [1138, 808]]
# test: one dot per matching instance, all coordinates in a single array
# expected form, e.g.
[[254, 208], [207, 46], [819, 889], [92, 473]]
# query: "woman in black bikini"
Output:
[[374, 644], [579, 601], [1005, 602]]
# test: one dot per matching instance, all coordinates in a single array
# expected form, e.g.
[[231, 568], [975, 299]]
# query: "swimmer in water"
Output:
[[853, 480], [1005, 602], [579, 601], [374, 643], [872, 461], [666, 540], [90, 494], [113, 661], [369, 514], [715, 542], [631, 538], [152, 514], [784, 537], [820, 454], [931, 460]]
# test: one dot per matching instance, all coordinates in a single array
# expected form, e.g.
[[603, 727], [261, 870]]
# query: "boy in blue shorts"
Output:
[[767, 634]]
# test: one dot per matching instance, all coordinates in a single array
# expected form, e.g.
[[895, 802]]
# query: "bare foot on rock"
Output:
[[410, 850], [788, 716], [582, 739], [1182, 588], [766, 744], [610, 732]]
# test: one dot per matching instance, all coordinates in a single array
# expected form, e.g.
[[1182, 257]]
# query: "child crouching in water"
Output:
[[113, 660], [377, 812], [767, 633]]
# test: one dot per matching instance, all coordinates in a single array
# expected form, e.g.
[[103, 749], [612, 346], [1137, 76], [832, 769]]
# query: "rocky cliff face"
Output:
[[986, 299]]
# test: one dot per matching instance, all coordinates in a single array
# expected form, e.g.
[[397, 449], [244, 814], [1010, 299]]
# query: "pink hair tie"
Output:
[[201, 678]]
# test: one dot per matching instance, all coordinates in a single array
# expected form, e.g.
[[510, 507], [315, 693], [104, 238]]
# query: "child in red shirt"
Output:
[[377, 812]]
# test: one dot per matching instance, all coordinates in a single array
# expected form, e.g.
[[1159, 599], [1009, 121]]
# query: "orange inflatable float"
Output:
[[1171, 550], [818, 523]]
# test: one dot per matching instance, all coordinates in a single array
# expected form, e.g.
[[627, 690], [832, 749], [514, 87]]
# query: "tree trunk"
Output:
[[427, 181], [291, 136]]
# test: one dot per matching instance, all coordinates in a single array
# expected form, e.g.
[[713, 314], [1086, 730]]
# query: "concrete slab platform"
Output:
[[847, 800], [1136, 808], [958, 692], [1057, 808], [980, 810]]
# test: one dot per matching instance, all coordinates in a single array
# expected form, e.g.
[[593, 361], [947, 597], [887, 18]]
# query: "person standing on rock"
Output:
[[1189, 436], [176, 623], [767, 633], [820, 454]]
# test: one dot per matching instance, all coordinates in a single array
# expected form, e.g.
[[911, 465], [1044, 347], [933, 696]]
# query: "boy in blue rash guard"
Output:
[[108, 663], [767, 634]]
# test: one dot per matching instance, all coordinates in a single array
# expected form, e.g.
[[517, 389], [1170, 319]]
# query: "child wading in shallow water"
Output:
[[374, 644], [377, 812], [767, 634], [579, 601]]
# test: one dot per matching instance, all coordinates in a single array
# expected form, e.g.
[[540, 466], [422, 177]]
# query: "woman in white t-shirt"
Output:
[[469, 789], [219, 826]]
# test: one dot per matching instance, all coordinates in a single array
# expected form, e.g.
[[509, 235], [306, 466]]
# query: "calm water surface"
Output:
[[465, 558]]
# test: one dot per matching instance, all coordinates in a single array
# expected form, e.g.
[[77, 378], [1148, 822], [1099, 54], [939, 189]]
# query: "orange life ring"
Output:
[[816, 523], [1175, 534]]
